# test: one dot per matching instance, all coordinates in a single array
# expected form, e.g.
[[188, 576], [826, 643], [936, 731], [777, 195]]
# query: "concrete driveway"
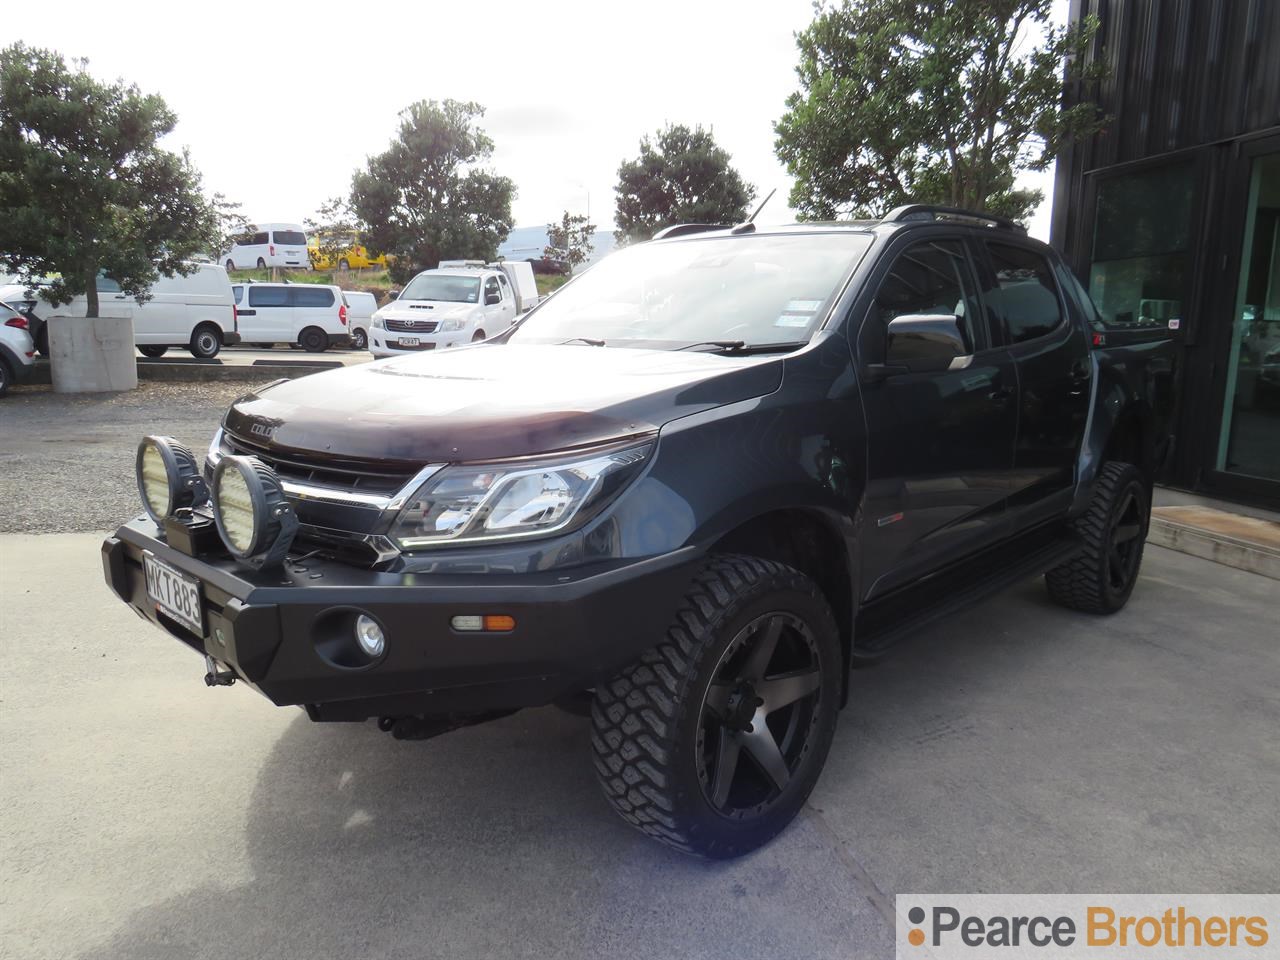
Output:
[[1017, 747]]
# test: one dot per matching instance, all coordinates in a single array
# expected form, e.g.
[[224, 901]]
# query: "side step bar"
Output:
[[886, 621]]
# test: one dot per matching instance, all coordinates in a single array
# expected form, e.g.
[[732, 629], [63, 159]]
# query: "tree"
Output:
[[570, 239], [940, 101], [85, 187], [426, 197], [230, 226], [682, 178], [333, 230]]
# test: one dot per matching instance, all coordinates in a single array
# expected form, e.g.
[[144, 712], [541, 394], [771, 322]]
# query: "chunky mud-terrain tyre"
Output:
[[314, 340], [206, 341], [153, 352], [712, 741], [1113, 530]]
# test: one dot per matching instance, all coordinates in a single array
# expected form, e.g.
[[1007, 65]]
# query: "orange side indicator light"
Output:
[[489, 623]]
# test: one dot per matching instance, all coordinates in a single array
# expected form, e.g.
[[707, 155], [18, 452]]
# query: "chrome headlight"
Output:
[[168, 478], [377, 321], [449, 326], [255, 520], [470, 503]]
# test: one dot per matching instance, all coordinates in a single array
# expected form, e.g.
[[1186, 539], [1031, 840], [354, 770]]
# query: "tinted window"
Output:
[[312, 297], [930, 278], [291, 237], [1025, 294], [258, 238], [268, 296]]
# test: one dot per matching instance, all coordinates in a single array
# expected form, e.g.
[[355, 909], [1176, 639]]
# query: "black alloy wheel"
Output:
[[712, 741], [1113, 533], [758, 715]]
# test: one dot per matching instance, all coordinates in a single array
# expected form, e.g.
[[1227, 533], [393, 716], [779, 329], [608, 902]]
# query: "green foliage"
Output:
[[425, 198], [940, 101], [682, 178], [570, 239], [333, 229], [84, 185]]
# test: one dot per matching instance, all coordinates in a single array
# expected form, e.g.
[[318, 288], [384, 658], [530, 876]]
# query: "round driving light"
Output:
[[168, 478], [369, 635], [255, 520]]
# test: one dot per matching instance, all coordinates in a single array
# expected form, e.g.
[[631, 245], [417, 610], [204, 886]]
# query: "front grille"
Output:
[[341, 475], [412, 326]]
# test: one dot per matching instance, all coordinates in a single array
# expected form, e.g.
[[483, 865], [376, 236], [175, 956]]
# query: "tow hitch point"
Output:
[[213, 677]]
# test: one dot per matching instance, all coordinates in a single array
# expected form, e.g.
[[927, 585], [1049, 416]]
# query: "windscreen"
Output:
[[438, 286], [757, 289]]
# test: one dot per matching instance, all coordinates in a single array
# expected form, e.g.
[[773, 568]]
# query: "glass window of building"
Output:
[[1141, 264], [1250, 439]]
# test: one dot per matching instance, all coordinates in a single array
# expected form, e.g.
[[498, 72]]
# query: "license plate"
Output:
[[174, 593], [409, 341]]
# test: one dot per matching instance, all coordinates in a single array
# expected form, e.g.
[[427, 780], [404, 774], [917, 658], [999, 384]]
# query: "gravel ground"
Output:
[[66, 460]]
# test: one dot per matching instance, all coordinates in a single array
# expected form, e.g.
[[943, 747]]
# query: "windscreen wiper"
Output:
[[741, 347], [587, 340]]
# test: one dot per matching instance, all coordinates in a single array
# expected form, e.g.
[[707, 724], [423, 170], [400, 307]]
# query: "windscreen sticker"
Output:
[[797, 313]]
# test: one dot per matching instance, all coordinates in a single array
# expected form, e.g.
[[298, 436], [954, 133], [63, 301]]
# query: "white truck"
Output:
[[459, 302]]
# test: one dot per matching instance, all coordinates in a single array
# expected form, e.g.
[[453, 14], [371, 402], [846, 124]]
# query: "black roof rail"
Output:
[[931, 211], [681, 229]]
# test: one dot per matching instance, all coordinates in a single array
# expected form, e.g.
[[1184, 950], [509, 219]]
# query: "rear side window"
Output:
[[258, 239], [311, 297], [1025, 293], [268, 296], [238, 291], [290, 237]]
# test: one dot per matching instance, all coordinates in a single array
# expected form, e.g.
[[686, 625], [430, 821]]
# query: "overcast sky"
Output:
[[279, 103]]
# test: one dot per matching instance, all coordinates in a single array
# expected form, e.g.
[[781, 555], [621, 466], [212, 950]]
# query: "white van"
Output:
[[312, 315], [271, 245], [196, 311], [361, 307]]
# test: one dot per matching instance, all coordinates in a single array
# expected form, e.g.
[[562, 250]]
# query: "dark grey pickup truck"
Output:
[[686, 494]]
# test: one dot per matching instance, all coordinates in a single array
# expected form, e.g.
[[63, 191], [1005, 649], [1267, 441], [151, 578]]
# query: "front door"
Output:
[[939, 445], [269, 318]]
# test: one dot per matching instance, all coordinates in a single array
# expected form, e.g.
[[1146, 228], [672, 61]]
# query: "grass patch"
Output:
[[549, 283]]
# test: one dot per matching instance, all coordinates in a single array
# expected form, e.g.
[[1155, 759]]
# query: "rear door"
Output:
[[290, 248], [269, 317], [940, 444], [314, 307], [1051, 351]]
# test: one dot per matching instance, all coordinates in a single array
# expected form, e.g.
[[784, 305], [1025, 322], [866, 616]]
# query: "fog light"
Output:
[[168, 478], [369, 636]]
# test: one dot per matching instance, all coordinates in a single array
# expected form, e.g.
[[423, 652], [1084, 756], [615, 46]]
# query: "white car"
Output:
[[271, 245], [314, 316], [361, 307], [17, 352], [445, 307], [195, 312]]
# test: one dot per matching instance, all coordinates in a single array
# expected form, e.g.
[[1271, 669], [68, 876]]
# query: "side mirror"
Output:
[[491, 298], [923, 343], [393, 295]]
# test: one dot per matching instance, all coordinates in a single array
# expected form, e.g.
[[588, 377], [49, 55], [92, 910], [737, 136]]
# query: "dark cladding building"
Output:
[[1171, 215]]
